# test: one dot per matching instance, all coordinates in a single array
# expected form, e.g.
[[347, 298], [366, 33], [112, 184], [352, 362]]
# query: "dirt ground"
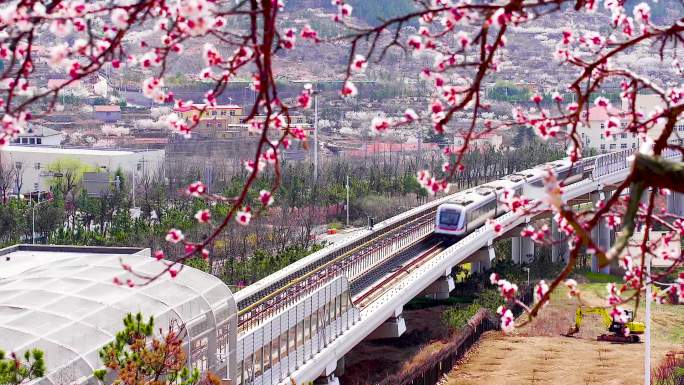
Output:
[[371, 361], [537, 354]]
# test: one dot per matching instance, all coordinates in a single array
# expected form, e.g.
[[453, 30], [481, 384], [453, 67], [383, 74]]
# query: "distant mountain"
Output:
[[372, 11]]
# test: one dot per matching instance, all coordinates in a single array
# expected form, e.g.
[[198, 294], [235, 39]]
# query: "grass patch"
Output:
[[600, 277]]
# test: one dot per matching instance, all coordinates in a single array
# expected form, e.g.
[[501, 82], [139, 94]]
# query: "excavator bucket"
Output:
[[571, 332]]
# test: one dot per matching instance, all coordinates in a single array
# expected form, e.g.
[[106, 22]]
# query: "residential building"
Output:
[[39, 135], [37, 165], [595, 135], [107, 114], [647, 103]]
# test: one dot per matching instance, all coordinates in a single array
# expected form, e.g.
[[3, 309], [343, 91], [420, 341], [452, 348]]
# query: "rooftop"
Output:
[[62, 300], [70, 151], [113, 108], [209, 108]]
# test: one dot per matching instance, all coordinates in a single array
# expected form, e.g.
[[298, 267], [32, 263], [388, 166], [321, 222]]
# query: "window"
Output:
[[624, 136], [613, 146], [35, 187], [258, 361], [32, 140], [213, 112], [603, 126], [283, 345], [275, 351], [602, 136], [633, 145], [603, 147], [623, 145], [17, 165], [37, 166], [39, 141], [24, 140]]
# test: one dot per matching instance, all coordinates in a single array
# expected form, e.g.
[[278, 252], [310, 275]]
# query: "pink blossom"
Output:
[[500, 17], [494, 278], [410, 115], [573, 290], [359, 63], [174, 236], [309, 34], [415, 42], [496, 226], [346, 10], [602, 102], [196, 189], [265, 197], [642, 13], [159, 255], [203, 216], [507, 320], [349, 89], [119, 18], [463, 39], [304, 99], [243, 216], [380, 124], [540, 290]]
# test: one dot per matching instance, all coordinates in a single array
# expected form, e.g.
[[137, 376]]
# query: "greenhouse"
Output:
[[63, 301]]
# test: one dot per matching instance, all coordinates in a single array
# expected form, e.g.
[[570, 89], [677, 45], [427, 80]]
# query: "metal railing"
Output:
[[351, 263]]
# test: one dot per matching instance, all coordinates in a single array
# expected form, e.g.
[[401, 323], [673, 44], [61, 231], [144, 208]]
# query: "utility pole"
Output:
[[316, 135], [347, 200], [647, 333]]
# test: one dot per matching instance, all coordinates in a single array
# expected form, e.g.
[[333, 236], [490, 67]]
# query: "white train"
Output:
[[469, 209]]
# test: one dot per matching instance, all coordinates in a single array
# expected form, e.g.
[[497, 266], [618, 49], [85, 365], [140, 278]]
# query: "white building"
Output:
[[39, 135], [595, 136], [646, 104], [36, 166]]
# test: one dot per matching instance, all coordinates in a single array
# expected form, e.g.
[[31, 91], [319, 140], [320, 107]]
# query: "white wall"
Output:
[[36, 162]]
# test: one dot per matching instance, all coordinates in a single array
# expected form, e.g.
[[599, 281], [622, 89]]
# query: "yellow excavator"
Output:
[[617, 328]]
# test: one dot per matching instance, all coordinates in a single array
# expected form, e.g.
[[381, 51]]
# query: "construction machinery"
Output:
[[622, 332]]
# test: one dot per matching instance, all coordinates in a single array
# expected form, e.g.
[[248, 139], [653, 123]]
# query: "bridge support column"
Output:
[[600, 234], [522, 249], [394, 327], [441, 288], [331, 374], [481, 260], [559, 249], [331, 379]]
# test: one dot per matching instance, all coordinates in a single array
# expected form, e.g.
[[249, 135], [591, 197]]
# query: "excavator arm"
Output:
[[582, 311], [612, 326]]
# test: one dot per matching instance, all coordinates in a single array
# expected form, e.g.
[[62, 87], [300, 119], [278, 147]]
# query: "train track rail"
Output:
[[349, 262], [375, 290]]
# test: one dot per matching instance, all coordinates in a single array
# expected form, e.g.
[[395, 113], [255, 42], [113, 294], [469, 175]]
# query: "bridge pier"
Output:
[[331, 379], [522, 249], [600, 234], [441, 288], [331, 374], [481, 260], [559, 250], [394, 327]]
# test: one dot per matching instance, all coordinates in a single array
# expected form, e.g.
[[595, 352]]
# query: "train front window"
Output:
[[449, 217]]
